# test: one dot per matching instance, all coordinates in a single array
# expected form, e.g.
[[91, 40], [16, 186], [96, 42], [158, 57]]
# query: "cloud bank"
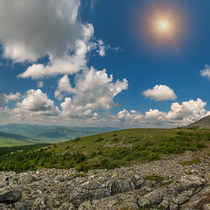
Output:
[[179, 115]]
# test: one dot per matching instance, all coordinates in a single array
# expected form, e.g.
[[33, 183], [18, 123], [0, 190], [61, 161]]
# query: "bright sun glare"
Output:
[[163, 25]]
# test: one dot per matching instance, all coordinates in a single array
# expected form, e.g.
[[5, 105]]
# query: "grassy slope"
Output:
[[203, 123], [47, 136], [109, 150], [10, 142], [43, 134]]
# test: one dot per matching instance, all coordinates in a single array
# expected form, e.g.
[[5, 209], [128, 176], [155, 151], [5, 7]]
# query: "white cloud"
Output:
[[160, 93], [179, 115], [74, 111], [36, 102], [206, 71], [154, 114], [101, 51], [188, 111], [11, 97], [67, 64], [132, 116], [94, 90], [33, 28], [64, 86], [40, 84]]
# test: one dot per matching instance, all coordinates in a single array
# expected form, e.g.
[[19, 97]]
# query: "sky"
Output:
[[121, 63]]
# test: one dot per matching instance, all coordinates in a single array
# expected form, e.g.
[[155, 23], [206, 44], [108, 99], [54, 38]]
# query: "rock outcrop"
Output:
[[180, 187]]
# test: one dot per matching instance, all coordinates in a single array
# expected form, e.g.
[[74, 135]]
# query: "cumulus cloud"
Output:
[[70, 109], [155, 114], [33, 28], [206, 71], [179, 115], [11, 97], [64, 86], [189, 110], [36, 102], [132, 116], [93, 90], [67, 64], [160, 93]]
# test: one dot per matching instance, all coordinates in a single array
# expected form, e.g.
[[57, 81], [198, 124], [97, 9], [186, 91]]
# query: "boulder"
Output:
[[9, 195]]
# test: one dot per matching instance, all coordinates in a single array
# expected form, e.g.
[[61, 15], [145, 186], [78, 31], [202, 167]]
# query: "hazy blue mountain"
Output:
[[12, 136], [95, 129], [30, 129], [45, 134]]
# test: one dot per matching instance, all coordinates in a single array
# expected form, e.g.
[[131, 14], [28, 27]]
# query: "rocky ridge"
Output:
[[176, 186]]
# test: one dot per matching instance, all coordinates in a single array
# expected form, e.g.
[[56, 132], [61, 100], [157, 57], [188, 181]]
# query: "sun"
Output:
[[163, 25]]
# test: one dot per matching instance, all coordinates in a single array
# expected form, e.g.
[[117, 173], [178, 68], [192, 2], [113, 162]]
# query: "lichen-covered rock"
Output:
[[119, 201], [191, 181], [153, 198], [123, 188], [183, 197], [9, 195]]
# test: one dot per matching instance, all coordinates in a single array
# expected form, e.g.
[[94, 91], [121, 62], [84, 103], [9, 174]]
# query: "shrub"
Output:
[[201, 145], [153, 156], [186, 163], [98, 139]]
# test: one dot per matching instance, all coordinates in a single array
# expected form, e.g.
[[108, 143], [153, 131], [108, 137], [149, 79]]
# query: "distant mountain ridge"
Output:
[[30, 128], [203, 123], [34, 134], [11, 135]]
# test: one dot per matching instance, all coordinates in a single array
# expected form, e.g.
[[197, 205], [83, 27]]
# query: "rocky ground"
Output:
[[163, 184]]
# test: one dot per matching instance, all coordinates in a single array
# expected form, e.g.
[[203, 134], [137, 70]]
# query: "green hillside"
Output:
[[10, 140], [203, 123], [26, 134], [108, 150]]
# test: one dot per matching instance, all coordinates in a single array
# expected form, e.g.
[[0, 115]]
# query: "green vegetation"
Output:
[[9, 150], [154, 177], [186, 163], [107, 151], [26, 134]]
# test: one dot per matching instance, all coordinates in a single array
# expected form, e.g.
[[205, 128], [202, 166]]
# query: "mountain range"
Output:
[[23, 134]]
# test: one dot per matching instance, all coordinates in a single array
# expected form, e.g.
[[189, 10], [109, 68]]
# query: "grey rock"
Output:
[[206, 206], [119, 201], [183, 197], [109, 189], [21, 206], [191, 181], [67, 206], [174, 206], [9, 195], [153, 198], [6, 207]]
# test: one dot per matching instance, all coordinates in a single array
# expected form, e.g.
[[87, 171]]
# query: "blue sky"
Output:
[[104, 63]]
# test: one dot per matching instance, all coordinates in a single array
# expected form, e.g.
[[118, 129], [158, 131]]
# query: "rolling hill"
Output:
[[23, 134], [9, 139], [108, 150], [203, 123]]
